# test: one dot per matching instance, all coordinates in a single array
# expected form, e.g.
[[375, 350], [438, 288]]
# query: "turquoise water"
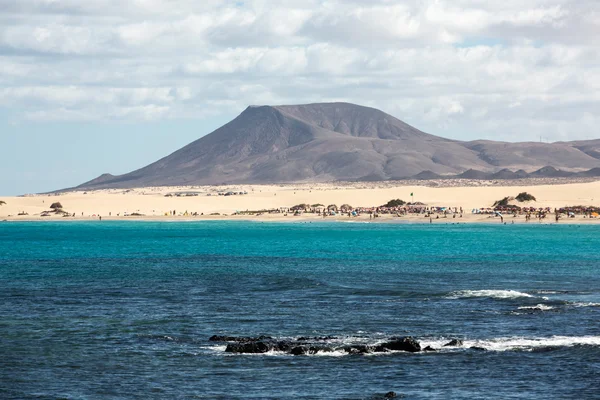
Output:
[[117, 310]]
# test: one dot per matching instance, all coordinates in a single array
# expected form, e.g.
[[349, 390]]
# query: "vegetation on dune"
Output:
[[2, 203], [524, 196], [394, 203], [302, 206], [56, 206], [504, 202], [521, 197]]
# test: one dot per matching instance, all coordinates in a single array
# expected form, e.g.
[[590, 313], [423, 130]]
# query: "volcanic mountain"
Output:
[[341, 142]]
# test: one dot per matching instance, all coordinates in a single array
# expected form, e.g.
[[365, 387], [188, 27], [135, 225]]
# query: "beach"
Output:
[[255, 201]]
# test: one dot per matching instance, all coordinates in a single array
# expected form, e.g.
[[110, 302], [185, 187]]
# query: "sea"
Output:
[[125, 310]]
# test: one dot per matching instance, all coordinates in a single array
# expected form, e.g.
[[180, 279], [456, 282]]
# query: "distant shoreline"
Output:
[[470, 219], [271, 203]]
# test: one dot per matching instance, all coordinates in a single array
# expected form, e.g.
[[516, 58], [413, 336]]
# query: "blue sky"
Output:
[[46, 156], [112, 85]]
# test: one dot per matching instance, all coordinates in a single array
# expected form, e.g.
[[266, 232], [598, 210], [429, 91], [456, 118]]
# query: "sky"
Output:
[[89, 87]]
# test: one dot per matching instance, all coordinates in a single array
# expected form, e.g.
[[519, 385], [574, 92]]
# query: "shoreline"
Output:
[[364, 219], [275, 203]]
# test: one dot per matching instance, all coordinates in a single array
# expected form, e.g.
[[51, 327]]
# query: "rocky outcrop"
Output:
[[218, 338], [408, 344], [311, 345], [454, 343]]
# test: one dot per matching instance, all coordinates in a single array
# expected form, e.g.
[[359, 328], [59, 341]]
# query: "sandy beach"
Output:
[[211, 203]]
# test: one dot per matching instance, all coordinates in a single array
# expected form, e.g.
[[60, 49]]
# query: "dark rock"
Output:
[[478, 348], [545, 349], [390, 395], [218, 338], [454, 343], [408, 344], [429, 348], [380, 349], [283, 346], [298, 351], [304, 350], [249, 348], [359, 349]]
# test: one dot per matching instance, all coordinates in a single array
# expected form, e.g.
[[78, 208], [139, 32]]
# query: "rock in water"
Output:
[[249, 348], [408, 344], [283, 346], [478, 348], [358, 349], [298, 351], [454, 343], [245, 339], [390, 395], [304, 350]]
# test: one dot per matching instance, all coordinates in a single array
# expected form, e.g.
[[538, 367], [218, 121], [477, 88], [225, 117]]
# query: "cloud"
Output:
[[463, 68]]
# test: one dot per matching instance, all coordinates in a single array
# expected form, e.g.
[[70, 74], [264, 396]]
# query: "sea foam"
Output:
[[529, 344], [495, 294], [539, 307]]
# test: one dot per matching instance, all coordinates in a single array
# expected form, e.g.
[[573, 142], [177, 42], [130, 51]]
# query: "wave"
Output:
[[537, 307], [582, 304], [530, 344], [546, 291], [495, 294]]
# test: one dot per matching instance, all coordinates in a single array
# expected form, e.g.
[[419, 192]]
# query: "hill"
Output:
[[342, 142]]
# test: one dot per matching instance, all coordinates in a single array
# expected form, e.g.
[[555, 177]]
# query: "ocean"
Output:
[[125, 310]]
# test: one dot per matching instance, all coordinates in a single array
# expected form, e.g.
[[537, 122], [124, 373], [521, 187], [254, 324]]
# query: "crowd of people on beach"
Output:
[[434, 212]]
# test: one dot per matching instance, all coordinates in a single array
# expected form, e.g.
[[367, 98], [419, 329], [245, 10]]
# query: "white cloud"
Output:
[[462, 67]]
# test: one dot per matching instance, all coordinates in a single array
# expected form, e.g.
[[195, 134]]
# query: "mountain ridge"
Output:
[[340, 141]]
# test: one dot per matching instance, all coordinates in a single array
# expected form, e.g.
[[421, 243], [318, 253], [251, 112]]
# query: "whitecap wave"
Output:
[[582, 304], [495, 294], [529, 344], [538, 307], [513, 343]]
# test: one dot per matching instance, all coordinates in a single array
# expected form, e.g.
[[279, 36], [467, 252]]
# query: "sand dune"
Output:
[[152, 203]]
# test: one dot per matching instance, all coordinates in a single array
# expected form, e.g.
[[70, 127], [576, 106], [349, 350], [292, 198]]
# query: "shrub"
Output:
[[394, 203], [2, 203], [524, 196], [300, 207], [503, 203], [56, 206], [346, 208]]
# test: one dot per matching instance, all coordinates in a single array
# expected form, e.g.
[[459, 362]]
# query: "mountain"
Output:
[[340, 142]]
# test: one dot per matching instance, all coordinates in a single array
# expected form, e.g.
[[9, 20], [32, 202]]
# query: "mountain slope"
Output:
[[336, 141]]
